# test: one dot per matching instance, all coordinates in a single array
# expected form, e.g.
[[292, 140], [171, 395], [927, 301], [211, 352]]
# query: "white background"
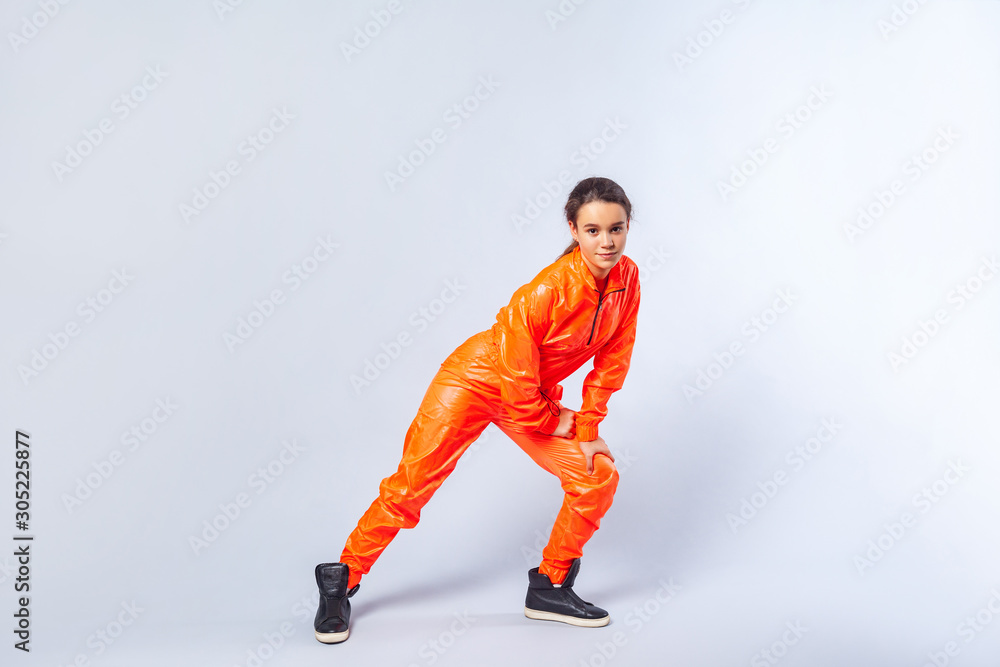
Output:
[[891, 81]]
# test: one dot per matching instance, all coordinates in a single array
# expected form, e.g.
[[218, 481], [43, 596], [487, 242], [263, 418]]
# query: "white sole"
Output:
[[332, 637], [572, 620]]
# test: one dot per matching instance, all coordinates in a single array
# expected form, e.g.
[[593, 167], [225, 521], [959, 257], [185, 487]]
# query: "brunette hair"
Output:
[[595, 188]]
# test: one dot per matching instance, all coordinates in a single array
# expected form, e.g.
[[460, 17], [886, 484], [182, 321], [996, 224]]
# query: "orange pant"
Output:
[[462, 400]]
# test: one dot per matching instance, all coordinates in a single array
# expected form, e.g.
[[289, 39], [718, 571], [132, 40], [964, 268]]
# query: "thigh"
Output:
[[560, 456], [452, 399], [470, 362], [452, 414]]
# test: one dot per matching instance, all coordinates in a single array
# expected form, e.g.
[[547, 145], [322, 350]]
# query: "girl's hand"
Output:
[[592, 447], [566, 424]]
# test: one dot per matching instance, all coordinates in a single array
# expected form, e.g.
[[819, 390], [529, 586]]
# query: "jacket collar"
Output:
[[615, 279]]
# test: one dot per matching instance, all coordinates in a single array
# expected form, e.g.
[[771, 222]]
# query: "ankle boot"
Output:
[[547, 603], [333, 616]]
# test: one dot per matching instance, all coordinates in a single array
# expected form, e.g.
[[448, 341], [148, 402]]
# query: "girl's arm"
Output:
[[611, 364], [522, 325]]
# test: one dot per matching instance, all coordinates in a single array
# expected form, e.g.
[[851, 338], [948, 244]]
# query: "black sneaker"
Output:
[[333, 616], [545, 602]]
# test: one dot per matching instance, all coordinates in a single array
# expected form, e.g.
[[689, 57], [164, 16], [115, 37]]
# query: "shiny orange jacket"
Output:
[[551, 327]]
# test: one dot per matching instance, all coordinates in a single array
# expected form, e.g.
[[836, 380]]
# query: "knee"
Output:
[[607, 472], [399, 504], [604, 479]]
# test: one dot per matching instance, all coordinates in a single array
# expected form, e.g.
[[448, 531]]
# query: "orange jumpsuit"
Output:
[[509, 375]]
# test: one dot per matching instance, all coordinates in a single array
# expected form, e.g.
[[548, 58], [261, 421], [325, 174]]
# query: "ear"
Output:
[[572, 230]]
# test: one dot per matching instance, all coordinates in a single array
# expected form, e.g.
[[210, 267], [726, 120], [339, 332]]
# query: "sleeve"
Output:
[[522, 327], [611, 364]]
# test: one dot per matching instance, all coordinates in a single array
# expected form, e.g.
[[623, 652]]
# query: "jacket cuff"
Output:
[[586, 432], [550, 424]]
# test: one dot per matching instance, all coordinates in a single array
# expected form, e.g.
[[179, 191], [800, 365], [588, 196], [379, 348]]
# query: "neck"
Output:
[[599, 274]]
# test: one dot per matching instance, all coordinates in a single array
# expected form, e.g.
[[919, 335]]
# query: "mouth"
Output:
[[606, 255]]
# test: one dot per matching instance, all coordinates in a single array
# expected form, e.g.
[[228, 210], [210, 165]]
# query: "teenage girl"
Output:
[[582, 306]]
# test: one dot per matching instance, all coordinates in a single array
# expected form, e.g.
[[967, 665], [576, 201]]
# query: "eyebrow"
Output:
[[594, 224]]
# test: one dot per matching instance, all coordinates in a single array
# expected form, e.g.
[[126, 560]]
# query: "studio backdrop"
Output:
[[237, 240]]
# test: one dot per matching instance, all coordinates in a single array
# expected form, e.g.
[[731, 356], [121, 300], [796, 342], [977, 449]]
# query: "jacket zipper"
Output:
[[600, 298]]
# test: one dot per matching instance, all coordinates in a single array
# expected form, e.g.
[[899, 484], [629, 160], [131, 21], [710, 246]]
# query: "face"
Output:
[[601, 228]]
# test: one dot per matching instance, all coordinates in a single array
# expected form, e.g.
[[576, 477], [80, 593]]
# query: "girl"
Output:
[[581, 306]]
